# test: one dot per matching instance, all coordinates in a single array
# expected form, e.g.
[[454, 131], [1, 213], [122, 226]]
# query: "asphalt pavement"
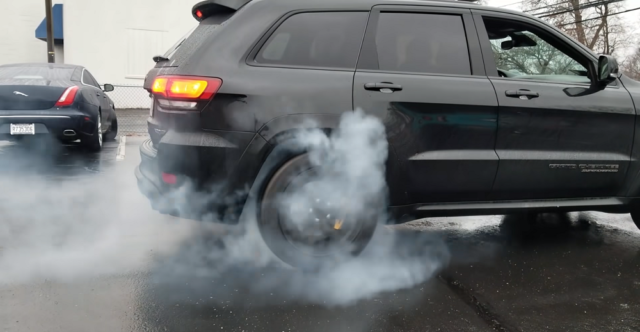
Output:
[[81, 250]]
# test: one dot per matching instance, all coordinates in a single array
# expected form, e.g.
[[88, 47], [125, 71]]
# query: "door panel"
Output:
[[444, 140], [548, 146], [558, 135], [419, 73]]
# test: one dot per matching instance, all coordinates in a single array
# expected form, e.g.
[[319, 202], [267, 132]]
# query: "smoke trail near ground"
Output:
[[86, 227], [350, 172]]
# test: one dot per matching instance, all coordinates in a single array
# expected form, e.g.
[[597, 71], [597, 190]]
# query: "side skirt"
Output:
[[602, 204]]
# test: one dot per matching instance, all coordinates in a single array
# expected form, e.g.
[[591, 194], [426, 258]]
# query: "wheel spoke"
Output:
[[315, 222]]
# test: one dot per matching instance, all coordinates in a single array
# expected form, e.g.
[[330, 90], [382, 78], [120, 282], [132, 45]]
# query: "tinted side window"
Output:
[[327, 39], [526, 52], [422, 43]]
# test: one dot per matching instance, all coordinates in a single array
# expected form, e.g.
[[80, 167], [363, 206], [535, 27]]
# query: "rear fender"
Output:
[[280, 128], [274, 145]]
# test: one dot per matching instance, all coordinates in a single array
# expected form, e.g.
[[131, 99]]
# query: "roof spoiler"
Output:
[[207, 8]]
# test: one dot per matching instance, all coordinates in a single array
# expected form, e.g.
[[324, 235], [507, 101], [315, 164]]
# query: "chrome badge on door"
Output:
[[598, 168], [588, 168]]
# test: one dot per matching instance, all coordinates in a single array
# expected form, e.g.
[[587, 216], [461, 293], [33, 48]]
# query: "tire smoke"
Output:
[[349, 167], [80, 228]]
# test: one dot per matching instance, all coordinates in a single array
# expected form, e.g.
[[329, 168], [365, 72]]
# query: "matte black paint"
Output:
[[453, 139], [558, 127]]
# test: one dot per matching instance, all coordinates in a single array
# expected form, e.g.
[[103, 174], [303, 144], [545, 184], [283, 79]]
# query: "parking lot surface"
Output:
[[81, 250]]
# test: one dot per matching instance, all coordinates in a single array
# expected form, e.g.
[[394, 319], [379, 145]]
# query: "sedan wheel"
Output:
[[94, 142]]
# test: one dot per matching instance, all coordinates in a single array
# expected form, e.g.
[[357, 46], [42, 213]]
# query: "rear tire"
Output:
[[93, 143], [113, 131], [324, 244]]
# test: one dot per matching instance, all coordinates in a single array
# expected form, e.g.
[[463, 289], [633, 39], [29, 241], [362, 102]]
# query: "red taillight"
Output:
[[169, 178], [186, 87], [67, 97]]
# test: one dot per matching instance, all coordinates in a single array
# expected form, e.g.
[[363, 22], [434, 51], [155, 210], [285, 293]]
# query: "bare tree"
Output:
[[631, 65], [593, 23]]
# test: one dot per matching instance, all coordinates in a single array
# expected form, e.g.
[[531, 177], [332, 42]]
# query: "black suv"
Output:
[[486, 111]]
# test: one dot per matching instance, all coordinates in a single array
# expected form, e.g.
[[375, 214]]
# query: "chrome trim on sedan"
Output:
[[36, 116]]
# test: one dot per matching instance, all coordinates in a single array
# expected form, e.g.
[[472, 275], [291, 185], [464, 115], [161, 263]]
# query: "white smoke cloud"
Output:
[[100, 225], [350, 167]]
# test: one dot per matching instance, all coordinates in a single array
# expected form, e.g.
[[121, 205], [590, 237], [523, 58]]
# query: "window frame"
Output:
[[250, 59], [489, 60], [368, 60]]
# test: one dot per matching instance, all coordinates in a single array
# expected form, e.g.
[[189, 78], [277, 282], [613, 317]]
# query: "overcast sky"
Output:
[[631, 19]]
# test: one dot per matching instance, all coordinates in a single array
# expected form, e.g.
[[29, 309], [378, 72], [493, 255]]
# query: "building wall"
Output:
[[114, 39], [118, 41], [120, 37], [19, 19], [59, 51]]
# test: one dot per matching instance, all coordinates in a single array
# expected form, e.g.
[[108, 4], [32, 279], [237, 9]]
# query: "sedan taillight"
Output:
[[67, 97]]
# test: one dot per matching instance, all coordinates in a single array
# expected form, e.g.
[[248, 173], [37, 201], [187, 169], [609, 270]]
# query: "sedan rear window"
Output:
[[36, 73]]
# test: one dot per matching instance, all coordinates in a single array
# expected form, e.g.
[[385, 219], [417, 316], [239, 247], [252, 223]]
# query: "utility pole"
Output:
[[51, 55]]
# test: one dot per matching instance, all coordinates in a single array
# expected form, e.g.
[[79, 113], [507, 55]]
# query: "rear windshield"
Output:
[[177, 45], [36, 73], [186, 45]]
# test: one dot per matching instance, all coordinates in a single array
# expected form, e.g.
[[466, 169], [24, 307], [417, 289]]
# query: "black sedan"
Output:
[[61, 100]]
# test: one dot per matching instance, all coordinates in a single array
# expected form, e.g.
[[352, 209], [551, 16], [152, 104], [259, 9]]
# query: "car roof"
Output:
[[290, 5], [369, 3], [50, 65]]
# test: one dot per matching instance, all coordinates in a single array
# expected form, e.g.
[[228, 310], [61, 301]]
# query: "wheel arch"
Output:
[[280, 145], [273, 146]]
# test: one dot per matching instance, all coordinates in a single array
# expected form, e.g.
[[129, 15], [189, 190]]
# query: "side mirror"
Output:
[[108, 88], [607, 69]]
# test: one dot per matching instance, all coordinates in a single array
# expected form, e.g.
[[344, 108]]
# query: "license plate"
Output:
[[23, 129]]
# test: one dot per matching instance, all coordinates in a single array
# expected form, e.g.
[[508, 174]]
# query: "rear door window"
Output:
[[319, 39], [422, 43]]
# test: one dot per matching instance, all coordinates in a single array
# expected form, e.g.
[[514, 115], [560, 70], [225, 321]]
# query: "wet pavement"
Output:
[[81, 250]]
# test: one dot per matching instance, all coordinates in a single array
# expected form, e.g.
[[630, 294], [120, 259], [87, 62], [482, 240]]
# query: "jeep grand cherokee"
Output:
[[487, 110]]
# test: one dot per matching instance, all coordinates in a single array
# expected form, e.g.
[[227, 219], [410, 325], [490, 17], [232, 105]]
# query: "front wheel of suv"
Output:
[[311, 229]]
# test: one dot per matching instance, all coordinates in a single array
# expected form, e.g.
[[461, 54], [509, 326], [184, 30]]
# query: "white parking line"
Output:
[[121, 148]]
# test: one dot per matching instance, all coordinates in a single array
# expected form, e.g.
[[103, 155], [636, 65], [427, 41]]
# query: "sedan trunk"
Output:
[[29, 97]]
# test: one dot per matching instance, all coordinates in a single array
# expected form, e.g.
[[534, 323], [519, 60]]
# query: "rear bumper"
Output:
[[208, 182], [49, 122]]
